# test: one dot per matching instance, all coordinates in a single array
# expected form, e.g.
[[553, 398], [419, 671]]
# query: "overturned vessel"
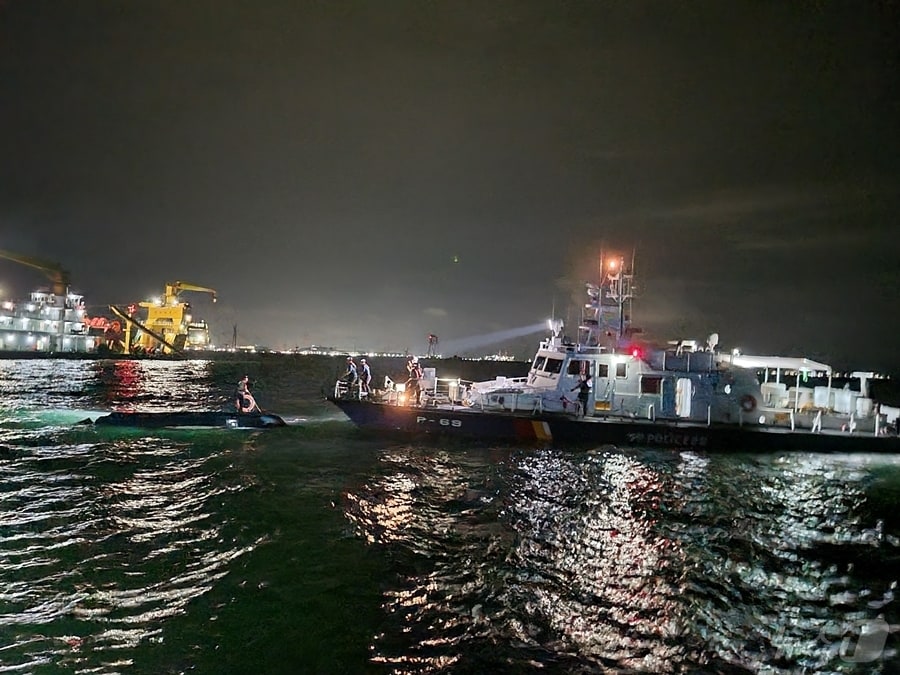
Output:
[[189, 420]]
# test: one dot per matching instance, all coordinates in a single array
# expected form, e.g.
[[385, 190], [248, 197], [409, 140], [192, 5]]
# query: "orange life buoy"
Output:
[[748, 403]]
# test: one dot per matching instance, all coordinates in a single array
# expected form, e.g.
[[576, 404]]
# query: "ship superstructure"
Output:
[[52, 320], [45, 323]]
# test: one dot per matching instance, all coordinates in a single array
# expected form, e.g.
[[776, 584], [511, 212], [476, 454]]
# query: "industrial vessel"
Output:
[[55, 320], [50, 320]]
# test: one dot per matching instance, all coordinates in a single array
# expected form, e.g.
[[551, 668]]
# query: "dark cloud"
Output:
[[368, 173]]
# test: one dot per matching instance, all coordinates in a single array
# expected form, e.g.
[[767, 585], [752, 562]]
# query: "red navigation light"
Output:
[[636, 352], [132, 308]]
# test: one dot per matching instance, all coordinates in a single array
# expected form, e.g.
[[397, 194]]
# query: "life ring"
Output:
[[248, 403], [748, 403]]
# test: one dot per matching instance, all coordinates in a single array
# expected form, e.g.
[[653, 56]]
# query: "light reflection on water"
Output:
[[100, 544], [37, 385], [640, 561], [116, 545]]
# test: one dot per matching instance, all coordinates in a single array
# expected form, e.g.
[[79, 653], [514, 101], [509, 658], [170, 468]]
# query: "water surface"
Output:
[[317, 549]]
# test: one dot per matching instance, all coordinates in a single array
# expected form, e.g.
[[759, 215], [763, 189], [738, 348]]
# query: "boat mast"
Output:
[[606, 316], [620, 290]]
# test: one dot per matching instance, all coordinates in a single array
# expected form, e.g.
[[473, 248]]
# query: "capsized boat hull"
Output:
[[562, 429], [190, 419]]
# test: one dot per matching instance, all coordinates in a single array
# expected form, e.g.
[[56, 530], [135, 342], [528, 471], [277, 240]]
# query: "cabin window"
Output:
[[651, 385], [620, 370], [578, 367], [539, 362], [553, 365], [602, 370]]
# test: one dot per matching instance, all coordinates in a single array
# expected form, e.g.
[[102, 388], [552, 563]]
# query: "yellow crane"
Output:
[[59, 277], [169, 324]]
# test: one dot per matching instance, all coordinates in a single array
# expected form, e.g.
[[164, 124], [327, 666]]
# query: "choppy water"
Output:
[[316, 549]]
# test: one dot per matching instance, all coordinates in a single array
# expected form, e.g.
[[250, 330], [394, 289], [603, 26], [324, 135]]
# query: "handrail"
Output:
[[817, 422]]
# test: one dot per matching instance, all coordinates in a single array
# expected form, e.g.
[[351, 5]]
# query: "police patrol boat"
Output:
[[685, 394]]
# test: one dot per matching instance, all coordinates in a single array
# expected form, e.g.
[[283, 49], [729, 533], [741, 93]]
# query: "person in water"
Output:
[[243, 399]]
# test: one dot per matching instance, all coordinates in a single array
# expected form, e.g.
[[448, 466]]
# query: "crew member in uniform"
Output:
[[415, 374], [365, 377], [352, 375], [584, 391]]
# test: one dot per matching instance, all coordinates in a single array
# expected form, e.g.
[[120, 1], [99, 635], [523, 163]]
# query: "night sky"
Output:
[[362, 174]]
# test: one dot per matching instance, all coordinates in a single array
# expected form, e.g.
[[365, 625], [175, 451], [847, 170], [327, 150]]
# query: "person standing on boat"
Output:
[[415, 374], [352, 374], [365, 377], [243, 399], [584, 392]]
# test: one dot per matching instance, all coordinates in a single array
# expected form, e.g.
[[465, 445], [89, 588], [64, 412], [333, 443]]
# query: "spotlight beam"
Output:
[[475, 341]]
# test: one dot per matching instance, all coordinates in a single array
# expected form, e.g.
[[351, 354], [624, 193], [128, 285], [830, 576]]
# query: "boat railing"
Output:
[[435, 391], [771, 416], [504, 393], [510, 400], [818, 420], [500, 382], [342, 389], [447, 391]]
